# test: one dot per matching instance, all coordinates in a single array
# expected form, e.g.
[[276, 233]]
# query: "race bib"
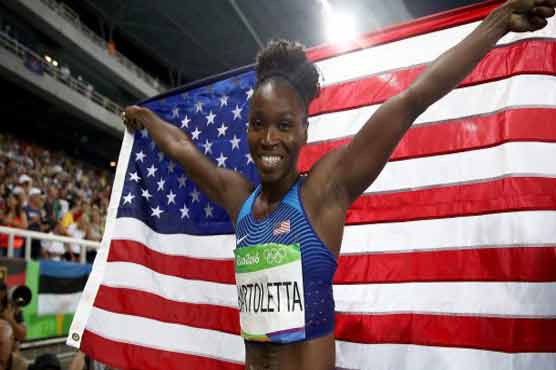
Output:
[[269, 282]]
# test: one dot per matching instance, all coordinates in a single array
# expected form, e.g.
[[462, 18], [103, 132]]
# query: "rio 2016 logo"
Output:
[[274, 256]]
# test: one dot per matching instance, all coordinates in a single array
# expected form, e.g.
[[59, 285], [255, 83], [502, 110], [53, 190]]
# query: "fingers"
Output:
[[543, 11], [547, 3], [537, 22]]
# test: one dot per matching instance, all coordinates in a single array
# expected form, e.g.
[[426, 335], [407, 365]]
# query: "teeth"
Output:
[[270, 160]]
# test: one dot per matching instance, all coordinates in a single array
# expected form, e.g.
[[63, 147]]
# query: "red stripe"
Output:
[[491, 333], [531, 56], [219, 271], [488, 264], [503, 195], [412, 28], [520, 124], [129, 356]]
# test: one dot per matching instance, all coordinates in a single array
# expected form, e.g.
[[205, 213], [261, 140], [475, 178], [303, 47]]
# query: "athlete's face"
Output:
[[277, 130]]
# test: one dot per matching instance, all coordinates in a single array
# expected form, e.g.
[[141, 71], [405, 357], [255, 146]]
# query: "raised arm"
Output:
[[358, 164], [225, 187]]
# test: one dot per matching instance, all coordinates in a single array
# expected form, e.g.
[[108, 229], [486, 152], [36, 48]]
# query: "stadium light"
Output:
[[54, 63], [48, 58], [340, 26], [113, 164]]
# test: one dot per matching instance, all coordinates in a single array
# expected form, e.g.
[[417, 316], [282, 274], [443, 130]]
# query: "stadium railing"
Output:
[[68, 14], [25, 54], [30, 235]]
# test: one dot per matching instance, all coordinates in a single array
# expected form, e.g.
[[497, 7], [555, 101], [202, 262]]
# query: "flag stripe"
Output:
[[492, 333], [441, 297], [400, 356], [432, 23], [119, 355], [499, 195], [528, 228], [54, 285], [525, 90], [501, 62], [409, 52], [516, 124], [485, 264], [159, 335]]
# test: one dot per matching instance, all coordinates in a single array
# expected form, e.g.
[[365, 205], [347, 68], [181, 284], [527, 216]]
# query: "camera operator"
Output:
[[12, 313]]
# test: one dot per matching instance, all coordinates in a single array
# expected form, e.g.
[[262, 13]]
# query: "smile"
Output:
[[270, 160]]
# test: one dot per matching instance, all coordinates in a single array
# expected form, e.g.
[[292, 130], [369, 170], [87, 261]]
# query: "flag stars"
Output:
[[184, 211], [171, 166], [151, 171], [237, 112], [140, 156], [235, 142], [195, 134], [134, 177], [171, 197], [208, 210], [181, 180], [222, 130], [144, 132], [221, 160], [145, 194], [249, 93], [199, 107], [175, 112], [156, 212], [160, 156], [161, 184], [208, 146], [224, 101], [185, 122], [249, 158], [195, 196], [128, 199], [210, 118]]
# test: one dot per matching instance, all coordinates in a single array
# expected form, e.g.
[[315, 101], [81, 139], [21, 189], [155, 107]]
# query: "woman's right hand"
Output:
[[131, 118]]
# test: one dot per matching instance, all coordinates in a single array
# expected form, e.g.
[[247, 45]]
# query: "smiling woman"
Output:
[[289, 228]]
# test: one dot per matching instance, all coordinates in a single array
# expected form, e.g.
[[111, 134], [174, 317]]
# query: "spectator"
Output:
[[9, 360], [77, 230], [14, 217], [52, 206], [54, 250], [36, 217]]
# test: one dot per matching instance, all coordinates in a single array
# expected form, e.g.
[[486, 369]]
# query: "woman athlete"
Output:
[[287, 309]]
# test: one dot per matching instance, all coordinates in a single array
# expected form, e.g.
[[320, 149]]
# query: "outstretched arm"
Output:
[[225, 187], [358, 164]]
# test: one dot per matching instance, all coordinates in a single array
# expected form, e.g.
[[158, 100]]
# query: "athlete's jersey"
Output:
[[283, 273]]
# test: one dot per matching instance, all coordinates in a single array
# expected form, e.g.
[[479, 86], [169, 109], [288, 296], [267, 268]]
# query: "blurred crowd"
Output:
[[46, 191]]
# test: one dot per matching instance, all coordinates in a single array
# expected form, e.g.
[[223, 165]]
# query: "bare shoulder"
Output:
[[237, 189], [324, 200]]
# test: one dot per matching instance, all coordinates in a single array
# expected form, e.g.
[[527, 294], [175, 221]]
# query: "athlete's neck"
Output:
[[273, 192]]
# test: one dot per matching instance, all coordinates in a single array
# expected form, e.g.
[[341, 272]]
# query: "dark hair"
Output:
[[286, 59]]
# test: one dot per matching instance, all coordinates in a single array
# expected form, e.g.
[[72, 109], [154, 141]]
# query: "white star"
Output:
[[145, 194], [152, 170], [140, 156], [221, 160], [208, 146], [199, 107], [128, 198], [184, 211], [235, 142], [171, 166], [171, 197], [208, 210], [175, 112], [222, 130], [249, 93], [195, 196], [210, 118], [152, 145], [182, 180], [237, 112], [156, 211], [185, 122], [144, 132], [134, 177], [224, 101], [160, 156], [161, 184], [249, 158], [195, 134]]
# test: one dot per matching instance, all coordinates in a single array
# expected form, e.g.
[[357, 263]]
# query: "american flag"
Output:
[[283, 227], [448, 260]]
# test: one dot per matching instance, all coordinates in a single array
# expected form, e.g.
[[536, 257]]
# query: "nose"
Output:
[[270, 137]]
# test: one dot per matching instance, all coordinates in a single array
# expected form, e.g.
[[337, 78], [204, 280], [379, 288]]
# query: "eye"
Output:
[[284, 125], [256, 123]]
